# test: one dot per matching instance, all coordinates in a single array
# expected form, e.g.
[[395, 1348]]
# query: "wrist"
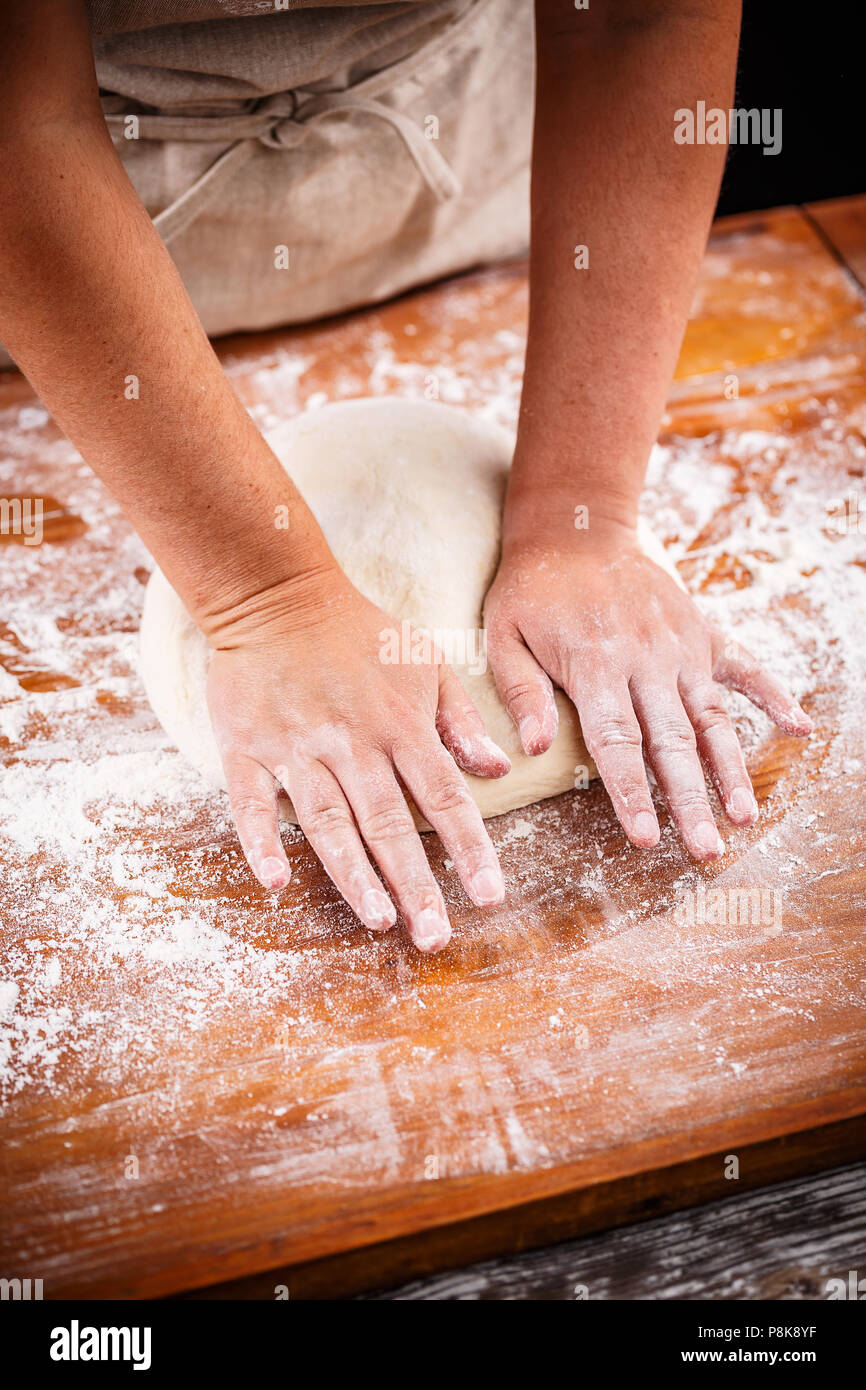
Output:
[[257, 612], [572, 520]]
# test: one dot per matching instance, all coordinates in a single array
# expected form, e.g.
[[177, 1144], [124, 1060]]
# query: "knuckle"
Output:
[[337, 742], [670, 736], [710, 716], [612, 731], [443, 794], [515, 691], [249, 805], [325, 820], [692, 799], [384, 823]]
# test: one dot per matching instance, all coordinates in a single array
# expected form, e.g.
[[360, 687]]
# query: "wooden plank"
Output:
[[200, 1083], [843, 222], [581, 1211], [784, 1242]]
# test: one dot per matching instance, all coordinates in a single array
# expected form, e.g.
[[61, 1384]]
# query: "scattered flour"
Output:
[[132, 926]]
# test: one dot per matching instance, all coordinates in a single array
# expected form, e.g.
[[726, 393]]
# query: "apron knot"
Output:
[[281, 123], [287, 134]]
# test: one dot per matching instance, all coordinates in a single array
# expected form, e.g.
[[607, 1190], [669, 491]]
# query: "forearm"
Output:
[[95, 314], [607, 174]]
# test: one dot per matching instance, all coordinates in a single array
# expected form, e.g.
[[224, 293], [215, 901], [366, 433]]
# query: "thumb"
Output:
[[462, 730], [525, 690]]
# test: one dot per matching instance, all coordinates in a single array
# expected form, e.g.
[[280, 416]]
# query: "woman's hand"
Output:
[[645, 672], [300, 697]]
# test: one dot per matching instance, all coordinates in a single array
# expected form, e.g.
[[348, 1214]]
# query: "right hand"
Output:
[[300, 698]]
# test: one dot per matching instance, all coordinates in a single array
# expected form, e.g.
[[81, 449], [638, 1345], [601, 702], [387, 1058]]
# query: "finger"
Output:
[[442, 797], [324, 816], [462, 730], [718, 745], [613, 739], [253, 799], [671, 748], [386, 825], [738, 669], [526, 693]]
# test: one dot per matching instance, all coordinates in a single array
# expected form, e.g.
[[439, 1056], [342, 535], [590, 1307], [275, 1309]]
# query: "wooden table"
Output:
[[205, 1086], [782, 1242]]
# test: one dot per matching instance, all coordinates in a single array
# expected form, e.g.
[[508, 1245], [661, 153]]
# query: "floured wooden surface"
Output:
[[199, 1081]]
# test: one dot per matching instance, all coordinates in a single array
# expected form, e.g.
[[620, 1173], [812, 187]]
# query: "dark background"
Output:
[[807, 58]]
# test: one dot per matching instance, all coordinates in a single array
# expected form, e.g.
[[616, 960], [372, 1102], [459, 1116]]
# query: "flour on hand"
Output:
[[409, 495]]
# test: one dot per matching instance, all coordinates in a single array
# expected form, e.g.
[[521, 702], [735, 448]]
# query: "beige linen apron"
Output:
[[398, 152], [305, 162]]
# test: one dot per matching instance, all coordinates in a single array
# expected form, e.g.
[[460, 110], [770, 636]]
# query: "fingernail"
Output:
[[645, 827], [377, 910], [802, 721], [274, 873], [742, 803], [430, 930], [487, 887], [707, 838]]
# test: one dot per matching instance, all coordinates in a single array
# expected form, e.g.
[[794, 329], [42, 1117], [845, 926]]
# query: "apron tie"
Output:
[[276, 128], [438, 174]]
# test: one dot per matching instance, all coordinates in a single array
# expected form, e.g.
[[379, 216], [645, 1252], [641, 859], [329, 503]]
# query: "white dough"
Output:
[[409, 495]]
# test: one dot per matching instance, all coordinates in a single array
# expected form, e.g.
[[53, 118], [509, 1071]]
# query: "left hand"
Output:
[[645, 671]]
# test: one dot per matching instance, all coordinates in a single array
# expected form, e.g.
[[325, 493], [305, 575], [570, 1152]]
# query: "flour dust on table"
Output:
[[409, 495]]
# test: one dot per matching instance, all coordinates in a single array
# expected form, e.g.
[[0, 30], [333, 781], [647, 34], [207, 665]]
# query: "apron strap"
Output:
[[178, 215], [284, 133]]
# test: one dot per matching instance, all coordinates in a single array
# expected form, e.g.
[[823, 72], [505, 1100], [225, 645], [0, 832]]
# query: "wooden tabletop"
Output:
[[785, 1242], [203, 1085]]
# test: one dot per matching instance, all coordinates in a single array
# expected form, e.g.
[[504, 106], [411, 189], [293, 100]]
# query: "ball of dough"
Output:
[[409, 495]]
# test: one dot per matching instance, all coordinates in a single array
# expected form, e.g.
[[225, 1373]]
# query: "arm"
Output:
[[297, 691], [584, 606], [603, 342], [89, 295]]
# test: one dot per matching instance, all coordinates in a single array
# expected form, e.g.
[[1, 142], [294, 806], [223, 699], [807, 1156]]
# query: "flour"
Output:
[[135, 928], [8, 999]]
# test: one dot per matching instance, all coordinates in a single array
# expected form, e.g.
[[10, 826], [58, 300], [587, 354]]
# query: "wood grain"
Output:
[[576, 1058], [784, 1242]]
